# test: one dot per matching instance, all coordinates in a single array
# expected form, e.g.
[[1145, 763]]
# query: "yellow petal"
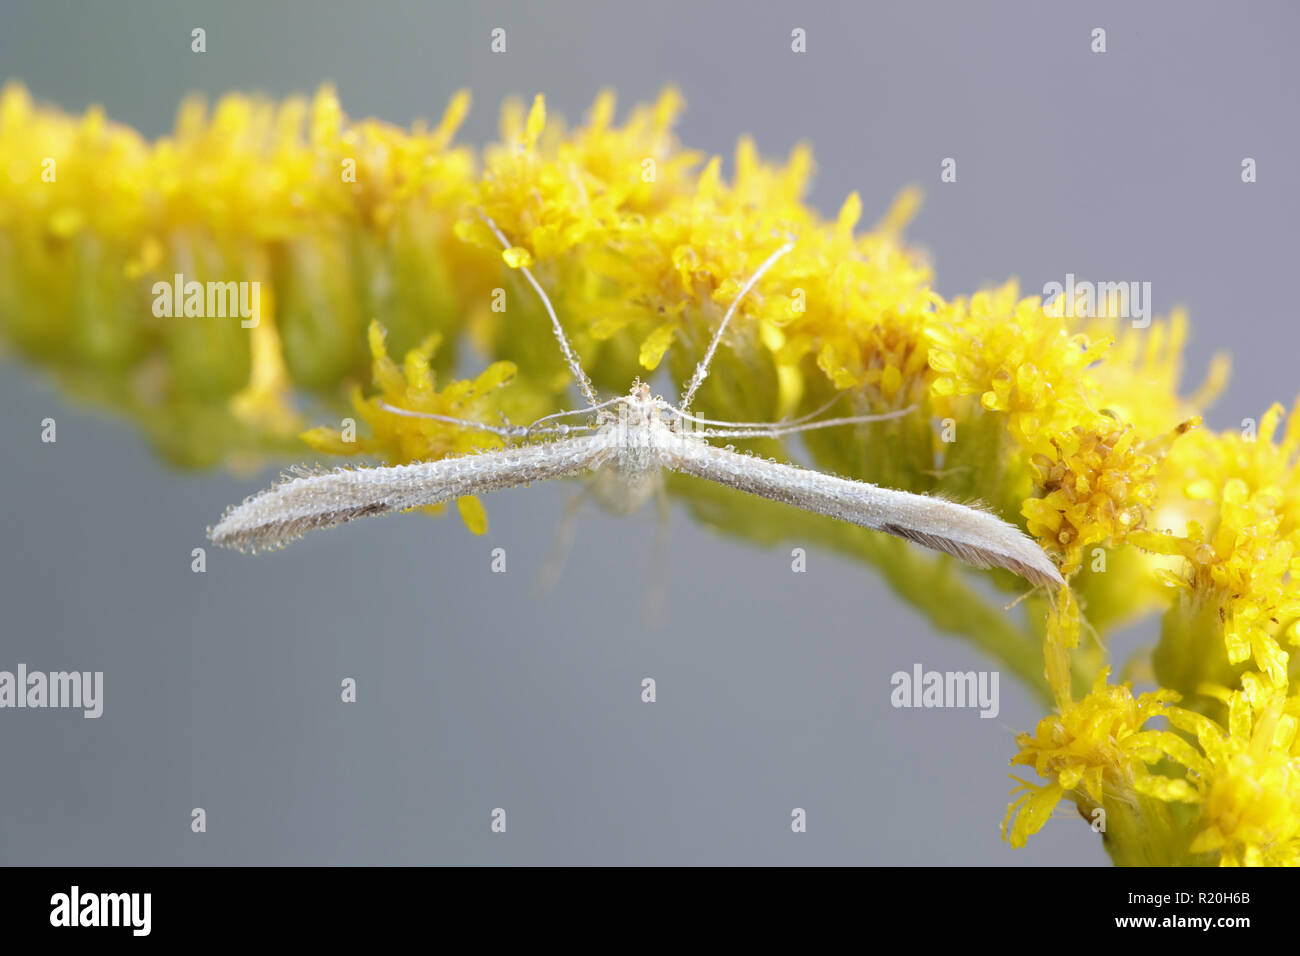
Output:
[[452, 117], [849, 215], [1035, 810], [517, 257], [536, 120], [656, 344], [494, 376], [1167, 789]]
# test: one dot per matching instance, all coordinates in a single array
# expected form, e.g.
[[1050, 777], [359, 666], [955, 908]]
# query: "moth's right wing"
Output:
[[284, 512], [971, 534]]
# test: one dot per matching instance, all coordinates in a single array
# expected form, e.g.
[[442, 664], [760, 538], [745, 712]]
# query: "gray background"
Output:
[[223, 689]]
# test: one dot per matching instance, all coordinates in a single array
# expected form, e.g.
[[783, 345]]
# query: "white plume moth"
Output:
[[628, 442]]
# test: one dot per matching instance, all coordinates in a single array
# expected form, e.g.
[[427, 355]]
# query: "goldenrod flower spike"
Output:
[[1075, 424]]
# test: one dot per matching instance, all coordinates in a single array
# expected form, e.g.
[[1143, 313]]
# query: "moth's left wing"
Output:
[[975, 536]]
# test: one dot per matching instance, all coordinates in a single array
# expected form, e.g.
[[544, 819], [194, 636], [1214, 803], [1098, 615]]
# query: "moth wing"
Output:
[[971, 534]]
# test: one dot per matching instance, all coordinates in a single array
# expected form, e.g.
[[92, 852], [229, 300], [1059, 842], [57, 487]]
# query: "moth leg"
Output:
[[656, 588]]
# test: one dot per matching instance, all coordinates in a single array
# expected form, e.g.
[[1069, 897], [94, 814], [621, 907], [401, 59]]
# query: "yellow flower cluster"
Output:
[[337, 222], [1229, 505], [1242, 783], [365, 238], [1239, 546], [1245, 780], [1068, 397], [643, 250], [1096, 747], [412, 387]]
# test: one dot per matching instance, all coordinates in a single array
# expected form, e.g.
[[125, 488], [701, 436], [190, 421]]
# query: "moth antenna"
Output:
[[571, 357]]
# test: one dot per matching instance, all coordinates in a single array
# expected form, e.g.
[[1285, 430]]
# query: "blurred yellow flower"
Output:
[[404, 438], [366, 239]]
